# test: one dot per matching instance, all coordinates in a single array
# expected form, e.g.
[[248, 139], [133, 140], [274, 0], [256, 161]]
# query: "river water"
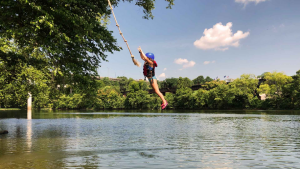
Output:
[[168, 139]]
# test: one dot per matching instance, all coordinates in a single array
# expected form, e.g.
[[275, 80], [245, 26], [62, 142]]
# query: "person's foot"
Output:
[[164, 102], [164, 105]]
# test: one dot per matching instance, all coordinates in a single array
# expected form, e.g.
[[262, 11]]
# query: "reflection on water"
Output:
[[29, 135], [210, 139], [29, 115]]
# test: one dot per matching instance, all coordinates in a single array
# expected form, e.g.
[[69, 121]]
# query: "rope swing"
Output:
[[132, 57]]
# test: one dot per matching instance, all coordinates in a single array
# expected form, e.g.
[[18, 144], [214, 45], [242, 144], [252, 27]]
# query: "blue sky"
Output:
[[242, 36]]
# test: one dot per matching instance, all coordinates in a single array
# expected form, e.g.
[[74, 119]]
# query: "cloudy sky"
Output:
[[209, 37]]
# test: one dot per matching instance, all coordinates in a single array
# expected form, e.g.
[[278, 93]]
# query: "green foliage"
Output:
[[147, 5], [171, 100], [212, 84], [244, 89], [183, 98], [137, 99], [184, 82], [221, 97], [199, 80], [70, 102], [21, 74], [46, 44], [201, 98], [277, 82], [208, 79], [169, 83], [264, 89]]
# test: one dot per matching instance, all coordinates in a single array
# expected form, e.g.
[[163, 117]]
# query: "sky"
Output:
[[213, 38]]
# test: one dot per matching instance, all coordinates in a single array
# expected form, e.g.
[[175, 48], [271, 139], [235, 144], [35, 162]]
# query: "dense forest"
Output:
[[281, 91]]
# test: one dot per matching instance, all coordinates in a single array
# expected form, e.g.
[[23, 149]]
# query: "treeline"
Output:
[[281, 92]]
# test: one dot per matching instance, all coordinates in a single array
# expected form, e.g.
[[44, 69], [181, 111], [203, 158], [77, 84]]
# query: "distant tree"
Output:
[[293, 91], [184, 82], [169, 83], [123, 82], [262, 76], [201, 98], [208, 79], [213, 84], [277, 82], [183, 98], [199, 80], [244, 89]]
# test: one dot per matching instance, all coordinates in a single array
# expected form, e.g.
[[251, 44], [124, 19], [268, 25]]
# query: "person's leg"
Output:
[[156, 90]]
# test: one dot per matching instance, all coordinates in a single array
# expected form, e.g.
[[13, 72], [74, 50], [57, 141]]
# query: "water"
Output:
[[206, 139]]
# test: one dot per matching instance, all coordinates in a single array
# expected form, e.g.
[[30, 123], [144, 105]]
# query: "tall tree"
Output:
[[71, 33]]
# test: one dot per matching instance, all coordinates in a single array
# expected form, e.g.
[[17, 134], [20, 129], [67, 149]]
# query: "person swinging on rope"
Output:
[[149, 72]]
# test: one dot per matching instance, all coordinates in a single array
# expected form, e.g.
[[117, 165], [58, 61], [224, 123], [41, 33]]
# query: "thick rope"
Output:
[[134, 60]]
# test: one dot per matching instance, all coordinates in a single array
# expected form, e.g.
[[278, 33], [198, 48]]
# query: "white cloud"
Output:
[[190, 64], [206, 62], [165, 69], [278, 28], [163, 75], [281, 26], [245, 2], [185, 63], [220, 37], [181, 61]]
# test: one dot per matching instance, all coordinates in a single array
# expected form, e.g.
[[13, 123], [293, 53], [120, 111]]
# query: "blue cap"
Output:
[[150, 55]]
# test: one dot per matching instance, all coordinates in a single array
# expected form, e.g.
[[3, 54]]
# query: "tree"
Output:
[[183, 98], [123, 82], [277, 82], [106, 81], [262, 76], [201, 98], [169, 83], [184, 82], [137, 99], [245, 90], [72, 34], [264, 89], [144, 85], [170, 98], [291, 93], [20, 75], [212, 84], [221, 97], [208, 79], [199, 80]]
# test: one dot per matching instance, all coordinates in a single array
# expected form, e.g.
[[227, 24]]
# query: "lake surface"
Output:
[[168, 139]]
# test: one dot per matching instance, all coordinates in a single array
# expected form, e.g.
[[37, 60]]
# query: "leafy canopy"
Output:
[[72, 33]]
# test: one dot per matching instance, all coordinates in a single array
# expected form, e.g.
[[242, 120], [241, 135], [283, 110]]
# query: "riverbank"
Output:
[[2, 109], [114, 109]]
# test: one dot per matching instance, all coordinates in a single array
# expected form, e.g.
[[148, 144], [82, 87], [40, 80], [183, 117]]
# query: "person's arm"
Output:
[[144, 57]]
